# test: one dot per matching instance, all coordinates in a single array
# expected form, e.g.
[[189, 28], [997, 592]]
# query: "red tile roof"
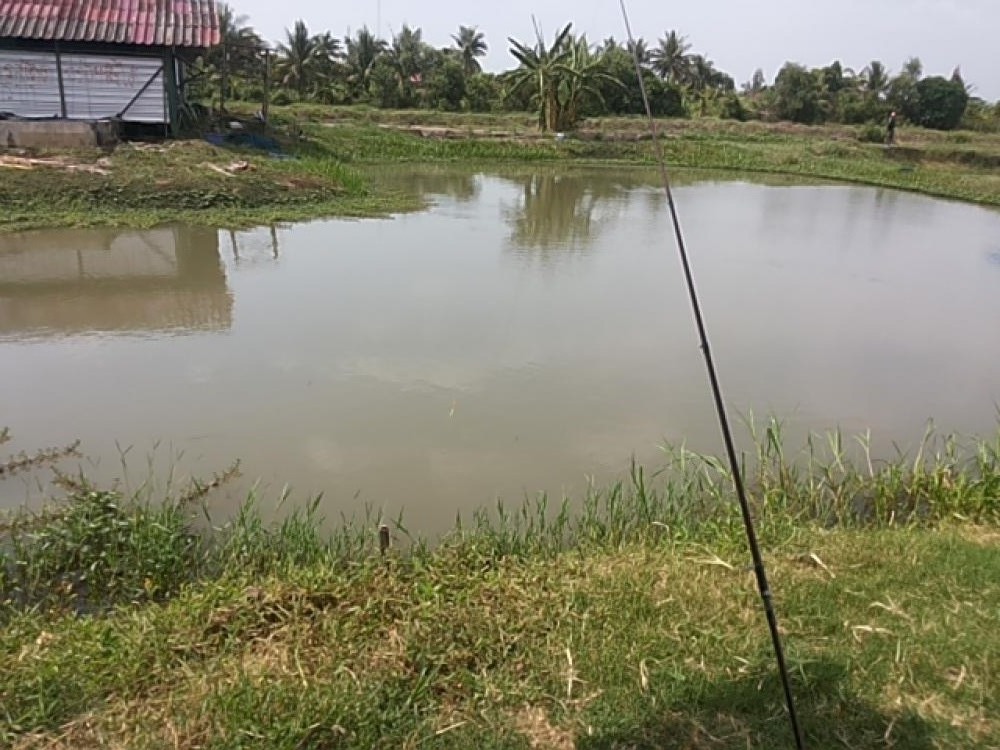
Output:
[[180, 23]]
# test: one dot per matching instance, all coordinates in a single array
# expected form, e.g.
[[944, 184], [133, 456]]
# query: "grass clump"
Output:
[[96, 550], [630, 620]]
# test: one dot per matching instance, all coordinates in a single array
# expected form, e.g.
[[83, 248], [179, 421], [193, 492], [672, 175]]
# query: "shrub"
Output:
[[871, 133], [733, 109], [940, 103]]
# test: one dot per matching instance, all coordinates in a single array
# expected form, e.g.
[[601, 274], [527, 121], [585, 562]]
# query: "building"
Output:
[[92, 60]]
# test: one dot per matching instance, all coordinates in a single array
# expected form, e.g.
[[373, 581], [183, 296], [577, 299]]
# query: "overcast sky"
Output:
[[738, 35]]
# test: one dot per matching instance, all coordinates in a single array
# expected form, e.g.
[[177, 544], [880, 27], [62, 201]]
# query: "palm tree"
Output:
[[470, 44], [670, 58], [540, 67], [298, 59], [238, 49], [327, 69], [234, 31], [698, 73], [913, 68], [640, 49], [875, 79], [363, 51], [407, 54], [328, 46]]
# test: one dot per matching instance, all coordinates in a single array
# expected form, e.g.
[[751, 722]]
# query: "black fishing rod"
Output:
[[720, 407]]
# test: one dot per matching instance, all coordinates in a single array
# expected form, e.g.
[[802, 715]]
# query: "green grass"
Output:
[[890, 633], [332, 172], [627, 620], [147, 186]]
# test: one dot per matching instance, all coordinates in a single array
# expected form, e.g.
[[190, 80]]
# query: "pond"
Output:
[[528, 332]]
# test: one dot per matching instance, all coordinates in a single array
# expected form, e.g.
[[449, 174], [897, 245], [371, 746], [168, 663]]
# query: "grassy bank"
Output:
[[141, 186], [631, 621], [960, 165]]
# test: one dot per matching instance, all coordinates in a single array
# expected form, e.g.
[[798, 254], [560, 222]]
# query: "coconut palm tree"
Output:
[[875, 79], [328, 46], [407, 52], [702, 74], [238, 50], [363, 51], [470, 44], [913, 68], [640, 49], [328, 68], [408, 56], [298, 59], [235, 34], [540, 68], [670, 57]]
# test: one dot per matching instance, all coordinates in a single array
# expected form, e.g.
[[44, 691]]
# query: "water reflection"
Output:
[[560, 213], [104, 280], [253, 246], [556, 213], [459, 184]]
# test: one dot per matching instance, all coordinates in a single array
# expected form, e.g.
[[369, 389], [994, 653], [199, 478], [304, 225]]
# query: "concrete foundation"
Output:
[[57, 133]]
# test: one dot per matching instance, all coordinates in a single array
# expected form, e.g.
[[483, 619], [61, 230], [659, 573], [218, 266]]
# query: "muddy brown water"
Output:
[[528, 332]]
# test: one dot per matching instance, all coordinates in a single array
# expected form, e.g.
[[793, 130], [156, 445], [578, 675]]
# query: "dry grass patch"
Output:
[[534, 724]]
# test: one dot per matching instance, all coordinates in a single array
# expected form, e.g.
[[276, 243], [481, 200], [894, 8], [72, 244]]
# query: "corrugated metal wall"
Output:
[[102, 86], [29, 85], [96, 86]]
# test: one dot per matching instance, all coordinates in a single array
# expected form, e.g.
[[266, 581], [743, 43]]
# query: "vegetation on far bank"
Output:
[[629, 620], [325, 171], [568, 78], [363, 99], [368, 88]]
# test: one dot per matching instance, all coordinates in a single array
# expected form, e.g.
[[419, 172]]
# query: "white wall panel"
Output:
[[29, 86], [96, 86]]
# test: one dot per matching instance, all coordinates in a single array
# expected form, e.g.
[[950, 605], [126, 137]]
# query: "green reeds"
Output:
[[100, 548], [623, 619]]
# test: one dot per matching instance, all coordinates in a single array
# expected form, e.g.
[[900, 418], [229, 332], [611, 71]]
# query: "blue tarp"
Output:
[[246, 140]]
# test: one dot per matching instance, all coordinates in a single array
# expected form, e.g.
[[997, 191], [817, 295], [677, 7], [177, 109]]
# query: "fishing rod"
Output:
[[720, 407]]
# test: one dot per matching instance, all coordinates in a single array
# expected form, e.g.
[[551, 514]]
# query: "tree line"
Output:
[[567, 78], [838, 94]]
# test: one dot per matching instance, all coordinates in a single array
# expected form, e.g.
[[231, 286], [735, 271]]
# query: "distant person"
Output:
[[890, 130]]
